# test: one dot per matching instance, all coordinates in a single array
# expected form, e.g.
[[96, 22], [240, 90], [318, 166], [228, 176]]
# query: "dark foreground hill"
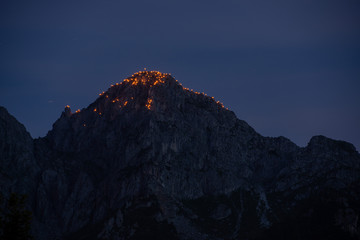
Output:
[[150, 159]]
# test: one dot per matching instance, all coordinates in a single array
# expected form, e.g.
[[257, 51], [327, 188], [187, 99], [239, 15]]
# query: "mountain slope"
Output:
[[152, 159], [17, 157]]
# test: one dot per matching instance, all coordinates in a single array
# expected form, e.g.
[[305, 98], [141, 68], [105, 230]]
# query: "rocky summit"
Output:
[[150, 159]]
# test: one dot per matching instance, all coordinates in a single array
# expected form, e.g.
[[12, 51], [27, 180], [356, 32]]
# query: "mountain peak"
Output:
[[149, 90], [143, 96], [150, 78], [138, 91], [145, 79]]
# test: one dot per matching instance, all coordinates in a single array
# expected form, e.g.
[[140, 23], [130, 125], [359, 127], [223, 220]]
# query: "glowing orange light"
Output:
[[150, 79], [149, 103]]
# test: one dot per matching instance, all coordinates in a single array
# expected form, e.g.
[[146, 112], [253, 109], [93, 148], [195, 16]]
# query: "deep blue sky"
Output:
[[288, 67]]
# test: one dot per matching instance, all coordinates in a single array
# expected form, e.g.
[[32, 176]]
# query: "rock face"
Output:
[[17, 162], [150, 159]]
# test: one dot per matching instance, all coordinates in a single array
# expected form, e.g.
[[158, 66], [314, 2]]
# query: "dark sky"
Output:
[[289, 68]]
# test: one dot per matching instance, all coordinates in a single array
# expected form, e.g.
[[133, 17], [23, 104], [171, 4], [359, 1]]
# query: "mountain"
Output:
[[150, 159]]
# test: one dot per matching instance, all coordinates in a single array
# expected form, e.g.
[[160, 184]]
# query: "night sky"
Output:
[[289, 68]]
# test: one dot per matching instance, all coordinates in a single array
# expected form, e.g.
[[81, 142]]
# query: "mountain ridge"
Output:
[[152, 159]]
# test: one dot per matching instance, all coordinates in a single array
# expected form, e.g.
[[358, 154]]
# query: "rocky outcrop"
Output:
[[150, 159], [18, 166]]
